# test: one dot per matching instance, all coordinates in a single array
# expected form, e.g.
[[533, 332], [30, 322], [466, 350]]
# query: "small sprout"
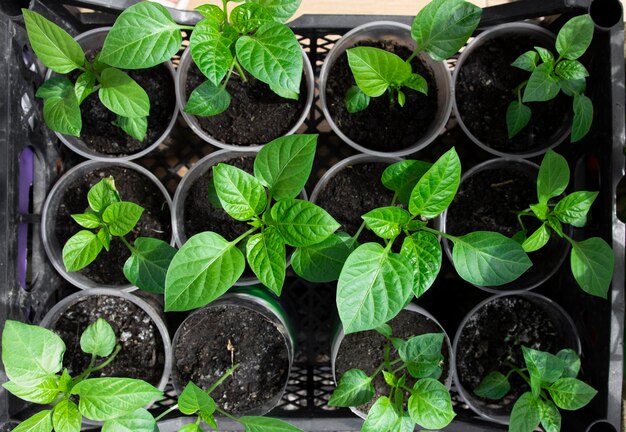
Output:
[[231, 348]]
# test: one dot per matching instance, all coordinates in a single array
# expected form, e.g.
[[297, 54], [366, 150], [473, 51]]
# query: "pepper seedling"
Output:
[[440, 29], [207, 265], [33, 359], [553, 383], [417, 359], [117, 91], [591, 260], [251, 38], [549, 75], [110, 218]]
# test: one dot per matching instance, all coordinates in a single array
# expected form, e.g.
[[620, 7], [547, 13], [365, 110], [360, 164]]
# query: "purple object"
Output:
[[26, 174]]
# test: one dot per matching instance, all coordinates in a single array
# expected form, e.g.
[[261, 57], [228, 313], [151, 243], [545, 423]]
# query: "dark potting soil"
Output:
[[382, 127], [155, 221], [256, 114], [202, 355], [352, 192], [100, 134], [142, 355], [486, 85], [365, 350]]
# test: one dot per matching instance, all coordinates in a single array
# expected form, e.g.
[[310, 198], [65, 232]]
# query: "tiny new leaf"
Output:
[[98, 338]]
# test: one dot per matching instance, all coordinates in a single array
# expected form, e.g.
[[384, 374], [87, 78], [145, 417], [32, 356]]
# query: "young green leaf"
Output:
[[573, 208], [87, 220], [84, 85], [137, 127], [401, 98], [65, 381], [137, 421], [527, 61], [144, 35], [546, 55], [571, 362], [266, 256], [571, 394], [517, 117], [146, 268], [583, 117], [210, 50], [81, 250], [401, 177], [553, 176], [373, 287], [537, 240], [382, 416], [375, 69], [542, 211], [422, 355], [489, 258], [526, 414], [424, 253], [571, 70], [385, 330], [555, 224], [104, 237], [53, 46], [430, 405], [102, 195], [248, 17], [281, 10], [207, 100], [592, 263], [98, 338], [356, 100], [416, 82], [60, 106], [194, 399], [574, 37], [323, 261], [40, 422], [266, 424], [354, 388], [301, 223], [43, 393], [65, 417], [543, 367], [122, 95], [202, 270], [550, 416], [284, 165], [572, 87], [494, 386], [386, 222], [404, 423], [121, 217], [212, 12], [190, 427], [542, 86], [442, 27], [242, 195]]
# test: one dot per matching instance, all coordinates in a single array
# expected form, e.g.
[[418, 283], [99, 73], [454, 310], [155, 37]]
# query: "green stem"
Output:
[[128, 245], [378, 370], [86, 372], [227, 415], [240, 71], [395, 371], [185, 27], [223, 378], [356, 236], [225, 7], [105, 363], [393, 200], [228, 75], [412, 56], [244, 235], [166, 412], [444, 235]]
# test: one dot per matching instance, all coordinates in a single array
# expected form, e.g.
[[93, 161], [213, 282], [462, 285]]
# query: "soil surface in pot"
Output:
[[366, 350], [487, 200], [256, 114], [382, 127], [133, 186], [101, 135], [495, 334], [486, 85], [142, 355], [202, 355]]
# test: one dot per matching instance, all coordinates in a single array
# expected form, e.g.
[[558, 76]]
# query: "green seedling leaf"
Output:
[[190, 427], [527, 61], [546, 55], [494, 386], [543, 367], [538, 239], [202, 270], [390, 378], [442, 27], [248, 17], [354, 389], [373, 287], [98, 338], [43, 393], [266, 424], [194, 399], [81, 250], [571, 394], [266, 255], [489, 258], [122, 95], [60, 106], [542, 211], [212, 12], [555, 224], [424, 253], [404, 424], [87, 220], [526, 414], [146, 268], [209, 419], [375, 70], [401, 98], [573, 208], [592, 263], [40, 422], [356, 100], [382, 416], [571, 362], [550, 416], [242, 195], [210, 50], [281, 10], [121, 217], [104, 237], [301, 223], [102, 195], [208, 100], [553, 176], [137, 127], [430, 405], [107, 398], [583, 117], [401, 177], [144, 35], [571, 70], [572, 87], [137, 421], [575, 37], [323, 261], [385, 330], [84, 85], [284, 165], [542, 86], [65, 382], [416, 82], [53, 46], [386, 222], [517, 117], [422, 355], [65, 417]]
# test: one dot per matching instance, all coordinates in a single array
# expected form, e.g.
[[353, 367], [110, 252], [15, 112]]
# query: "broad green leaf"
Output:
[[60, 106], [541, 86], [571, 393], [84, 85], [435, 190], [430, 405], [517, 117], [98, 338], [107, 398], [572, 87], [416, 82], [266, 424], [442, 27], [137, 127], [87, 220], [202, 270], [424, 253], [553, 176], [137, 421], [571, 70], [122, 95], [543, 367], [53, 46], [527, 61], [574, 207], [354, 388], [356, 100], [242, 195], [386, 222], [545, 54], [43, 393], [583, 117], [212, 12], [121, 217], [65, 417], [144, 35], [571, 362], [592, 263], [207, 100], [266, 255], [147, 265], [281, 10], [323, 261], [248, 17], [494, 386], [489, 258], [550, 416], [526, 414], [537, 240], [422, 355], [210, 50], [272, 55], [373, 287], [102, 195], [194, 399], [382, 416], [404, 424], [542, 211], [574, 37], [401, 177], [284, 165], [301, 223], [375, 70], [81, 250], [40, 422]]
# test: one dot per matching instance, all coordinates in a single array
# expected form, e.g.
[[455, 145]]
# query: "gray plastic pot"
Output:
[[181, 97], [93, 40], [53, 248], [401, 34]]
